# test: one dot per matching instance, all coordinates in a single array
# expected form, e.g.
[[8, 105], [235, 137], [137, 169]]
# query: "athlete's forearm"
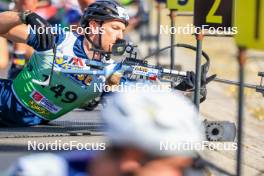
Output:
[[4, 55], [8, 20], [18, 34]]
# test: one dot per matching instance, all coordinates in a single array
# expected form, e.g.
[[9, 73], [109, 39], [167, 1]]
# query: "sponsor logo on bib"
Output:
[[44, 102]]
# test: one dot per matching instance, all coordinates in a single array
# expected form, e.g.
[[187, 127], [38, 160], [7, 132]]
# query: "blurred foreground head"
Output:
[[150, 131], [146, 131], [145, 120]]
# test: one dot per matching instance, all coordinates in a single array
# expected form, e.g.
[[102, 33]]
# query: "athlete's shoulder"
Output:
[[67, 37], [61, 37], [71, 45]]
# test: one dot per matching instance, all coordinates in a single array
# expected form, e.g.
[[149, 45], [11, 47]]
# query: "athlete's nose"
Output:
[[120, 35]]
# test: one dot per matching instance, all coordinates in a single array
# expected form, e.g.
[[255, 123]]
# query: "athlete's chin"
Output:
[[109, 48]]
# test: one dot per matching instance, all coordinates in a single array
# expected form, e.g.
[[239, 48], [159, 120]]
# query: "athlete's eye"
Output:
[[115, 27]]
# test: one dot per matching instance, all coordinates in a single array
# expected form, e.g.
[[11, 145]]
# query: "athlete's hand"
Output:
[[43, 29], [114, 80], [188, 84]]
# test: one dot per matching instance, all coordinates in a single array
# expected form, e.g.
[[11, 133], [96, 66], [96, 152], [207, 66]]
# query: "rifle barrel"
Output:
[[251, 86]]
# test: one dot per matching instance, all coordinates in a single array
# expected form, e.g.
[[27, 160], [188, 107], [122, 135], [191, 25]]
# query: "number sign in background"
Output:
[[249, 20], [215, 13], [181, 5], [161, 1]]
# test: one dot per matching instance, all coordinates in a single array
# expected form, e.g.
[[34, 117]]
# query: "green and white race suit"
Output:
[[66, 91]]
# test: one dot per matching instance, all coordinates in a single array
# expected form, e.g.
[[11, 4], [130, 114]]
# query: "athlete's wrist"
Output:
[[23, 16]]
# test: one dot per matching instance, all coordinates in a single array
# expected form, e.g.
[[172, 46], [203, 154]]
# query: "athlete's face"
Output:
[[113, 30]]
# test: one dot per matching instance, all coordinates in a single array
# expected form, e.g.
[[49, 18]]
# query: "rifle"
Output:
[[135, 69]]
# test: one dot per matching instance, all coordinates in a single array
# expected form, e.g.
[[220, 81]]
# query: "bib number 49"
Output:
[[68, 97], [59, 91]]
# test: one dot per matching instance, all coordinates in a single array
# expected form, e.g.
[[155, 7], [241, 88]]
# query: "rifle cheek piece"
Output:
[[119, 48]]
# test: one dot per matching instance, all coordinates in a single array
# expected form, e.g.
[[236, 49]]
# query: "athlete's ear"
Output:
[[93, 25]]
